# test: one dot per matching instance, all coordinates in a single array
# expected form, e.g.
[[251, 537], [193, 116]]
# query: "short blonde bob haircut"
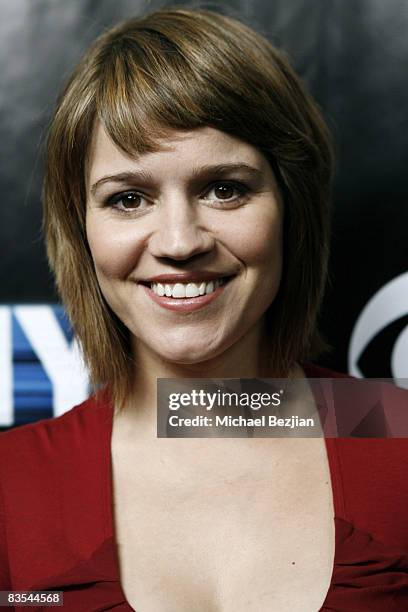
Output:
[[186, 69]]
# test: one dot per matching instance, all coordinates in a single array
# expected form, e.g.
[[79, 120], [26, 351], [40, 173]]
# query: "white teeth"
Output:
[[192, 290], [209, 288], [179, 291], [185, 290]]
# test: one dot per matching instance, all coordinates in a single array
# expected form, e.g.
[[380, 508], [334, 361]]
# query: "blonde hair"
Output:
[[185, 69]]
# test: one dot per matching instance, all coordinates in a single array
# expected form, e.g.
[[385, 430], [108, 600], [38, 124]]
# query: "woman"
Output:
[[186, 217]]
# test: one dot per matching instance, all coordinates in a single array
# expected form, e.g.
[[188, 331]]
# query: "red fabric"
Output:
[[56, 524]]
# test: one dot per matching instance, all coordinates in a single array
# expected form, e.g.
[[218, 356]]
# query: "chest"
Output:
[[248, 538]]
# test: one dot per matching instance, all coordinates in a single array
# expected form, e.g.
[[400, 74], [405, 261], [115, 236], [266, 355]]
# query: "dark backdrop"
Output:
[[353, 56]]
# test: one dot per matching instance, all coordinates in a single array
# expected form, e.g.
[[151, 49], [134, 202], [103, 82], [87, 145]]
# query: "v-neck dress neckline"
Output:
[[341, 525]]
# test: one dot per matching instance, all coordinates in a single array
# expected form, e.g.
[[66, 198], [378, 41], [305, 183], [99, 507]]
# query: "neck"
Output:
[[247, 358]]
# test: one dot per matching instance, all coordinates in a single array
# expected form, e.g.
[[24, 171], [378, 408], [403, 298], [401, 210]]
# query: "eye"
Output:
[[226, 191], [127, 201]]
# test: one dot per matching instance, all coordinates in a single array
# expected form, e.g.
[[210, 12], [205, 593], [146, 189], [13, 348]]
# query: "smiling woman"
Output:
[[167, 111], [186, 219], [184, 230]]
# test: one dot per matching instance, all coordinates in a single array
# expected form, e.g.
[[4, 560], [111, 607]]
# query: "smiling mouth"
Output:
[[183, 290]]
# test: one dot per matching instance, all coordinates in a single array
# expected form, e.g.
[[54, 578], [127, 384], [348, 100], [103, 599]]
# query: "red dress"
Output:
[[56, 523]]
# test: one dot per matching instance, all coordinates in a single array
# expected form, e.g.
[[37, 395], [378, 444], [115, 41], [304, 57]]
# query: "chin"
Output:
[[185, 352], [187, 356]]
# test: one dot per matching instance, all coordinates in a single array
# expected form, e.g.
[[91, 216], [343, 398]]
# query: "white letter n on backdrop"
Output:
[[61, 361]]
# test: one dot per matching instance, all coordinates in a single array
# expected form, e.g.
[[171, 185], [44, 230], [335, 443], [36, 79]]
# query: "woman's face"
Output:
[[199, 221]]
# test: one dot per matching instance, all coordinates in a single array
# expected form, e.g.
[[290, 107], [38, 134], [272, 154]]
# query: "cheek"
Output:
[[258, 240], [114, 248]]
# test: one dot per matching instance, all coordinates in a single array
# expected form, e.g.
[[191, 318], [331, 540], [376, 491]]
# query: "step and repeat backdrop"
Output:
[[353, 55]]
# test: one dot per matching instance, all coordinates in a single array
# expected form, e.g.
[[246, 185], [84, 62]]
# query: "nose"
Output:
[[179, 232]]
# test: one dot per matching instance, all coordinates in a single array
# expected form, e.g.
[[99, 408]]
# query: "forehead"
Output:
[[178, 150]]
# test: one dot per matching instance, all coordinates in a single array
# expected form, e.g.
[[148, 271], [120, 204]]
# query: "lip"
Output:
[[184, 304], [197, 276]]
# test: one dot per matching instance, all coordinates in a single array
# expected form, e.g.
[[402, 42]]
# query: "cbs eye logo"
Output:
[[382, 330]]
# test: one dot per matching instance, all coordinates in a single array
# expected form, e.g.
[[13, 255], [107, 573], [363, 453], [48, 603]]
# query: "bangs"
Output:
[[153, 80]]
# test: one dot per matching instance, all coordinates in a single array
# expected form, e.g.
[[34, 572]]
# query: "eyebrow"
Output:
[[218, 170]]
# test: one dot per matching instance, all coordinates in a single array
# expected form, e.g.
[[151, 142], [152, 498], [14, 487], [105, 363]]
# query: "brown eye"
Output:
[[224, 192], [130, 200]]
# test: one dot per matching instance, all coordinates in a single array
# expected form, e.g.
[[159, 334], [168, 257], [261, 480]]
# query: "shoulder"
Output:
[[53, 476], [30, 448], [368, 452], [362, 407]]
